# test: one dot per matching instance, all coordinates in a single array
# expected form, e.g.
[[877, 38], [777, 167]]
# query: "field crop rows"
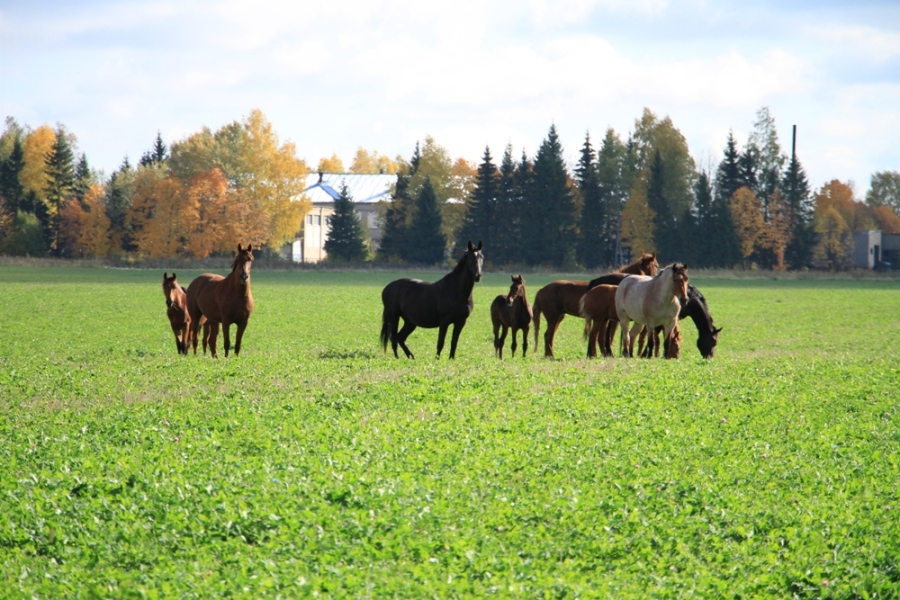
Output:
[[314, 464]]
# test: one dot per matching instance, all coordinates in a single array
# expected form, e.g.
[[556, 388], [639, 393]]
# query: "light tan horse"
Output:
[[649, 302], [176, 310], [222, 301]]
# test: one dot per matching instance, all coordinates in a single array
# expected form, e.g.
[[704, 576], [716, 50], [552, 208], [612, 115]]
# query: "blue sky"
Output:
[[335, 75]]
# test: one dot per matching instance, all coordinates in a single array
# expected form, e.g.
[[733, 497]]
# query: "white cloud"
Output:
[[876, 44]]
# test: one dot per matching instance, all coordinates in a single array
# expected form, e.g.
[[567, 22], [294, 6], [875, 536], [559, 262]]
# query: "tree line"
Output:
[[643, 192]]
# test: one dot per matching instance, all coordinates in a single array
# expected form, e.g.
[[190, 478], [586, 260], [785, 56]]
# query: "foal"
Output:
[[511, 311], [176, 310], [598, 307]]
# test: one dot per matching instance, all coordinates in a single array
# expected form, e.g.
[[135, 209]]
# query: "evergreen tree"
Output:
[[346, 238], [615, 173], [426, 243], [84, 179], [663, 227], [12, 193], [747, 164], [550, 217], [395, 224], [61, 178], [591, 251], [703, 240], [156, 155], [726, 252], [506, 250], [798, 197], [482, 220], [118, 201], [769, 157]]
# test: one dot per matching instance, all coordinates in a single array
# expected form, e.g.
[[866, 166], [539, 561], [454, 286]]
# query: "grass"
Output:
[[314, 464]]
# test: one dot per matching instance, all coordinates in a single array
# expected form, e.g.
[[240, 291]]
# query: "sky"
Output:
[[335, 75]]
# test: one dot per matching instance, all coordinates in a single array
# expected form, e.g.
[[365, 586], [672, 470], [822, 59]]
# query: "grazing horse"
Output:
[[560, 298], [424, 304], [697, 309], [511, 311], [176, 310], [650, 301], [222, 301], [598, 306]]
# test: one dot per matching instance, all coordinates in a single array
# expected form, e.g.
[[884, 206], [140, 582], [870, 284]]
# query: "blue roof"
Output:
[[324, 188]]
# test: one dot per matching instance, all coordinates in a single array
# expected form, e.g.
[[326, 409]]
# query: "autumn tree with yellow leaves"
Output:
[[746, 214]]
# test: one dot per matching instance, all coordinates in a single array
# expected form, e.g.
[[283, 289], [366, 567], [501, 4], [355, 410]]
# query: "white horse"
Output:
[[650, 302]]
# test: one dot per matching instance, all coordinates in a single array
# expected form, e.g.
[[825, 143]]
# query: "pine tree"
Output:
[[12, 194], [747, 164], [84, 179], [549, 221], [346, 238], [726, 252], [704, 240], [395, 223], [425, 242], [615, 174], [591, 250], [728, 175], [482, 220], [118, 202], [798, 197], [156, 155], [61, 178], [505, 250]]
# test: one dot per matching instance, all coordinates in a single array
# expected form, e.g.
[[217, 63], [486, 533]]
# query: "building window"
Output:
[[318, 220], [309, 219]]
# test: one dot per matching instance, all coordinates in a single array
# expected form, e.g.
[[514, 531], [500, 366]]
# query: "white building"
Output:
[[322, 189]]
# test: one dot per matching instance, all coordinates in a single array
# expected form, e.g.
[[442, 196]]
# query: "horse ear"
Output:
[[165, 275], [718, 329], [470, 247], [685, 266], [173, 275], [654, 255], [240, 249], [249, 247], [480, 246]]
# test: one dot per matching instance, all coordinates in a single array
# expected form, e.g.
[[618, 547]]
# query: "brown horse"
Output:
[[560, 298], [599, 308], [223, 301], [176, 310], [511, 311], [650, 301]]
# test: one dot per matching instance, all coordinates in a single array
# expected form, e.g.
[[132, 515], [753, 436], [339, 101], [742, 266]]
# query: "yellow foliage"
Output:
[[746, 214], [835, 237], [637, 221], [155, 213], [95, 239], [331, 165], [33, 176], [371, 162]]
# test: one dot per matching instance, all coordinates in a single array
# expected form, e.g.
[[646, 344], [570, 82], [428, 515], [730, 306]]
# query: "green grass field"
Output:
[[314, 464]]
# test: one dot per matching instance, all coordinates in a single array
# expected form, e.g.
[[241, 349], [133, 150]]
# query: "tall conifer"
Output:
[[60, 167], [591, 249], [346, 237], [425, 242]]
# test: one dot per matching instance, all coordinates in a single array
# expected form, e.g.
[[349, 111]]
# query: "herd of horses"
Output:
[[654, 299]]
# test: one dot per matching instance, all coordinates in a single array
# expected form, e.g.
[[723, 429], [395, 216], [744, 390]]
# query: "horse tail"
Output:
[[587, 318], [536, 319], [387, 316]]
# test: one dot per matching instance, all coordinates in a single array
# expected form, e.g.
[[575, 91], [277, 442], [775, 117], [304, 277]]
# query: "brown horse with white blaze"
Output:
[[511, 311], [176, 310], [223, 301], [560, 298]]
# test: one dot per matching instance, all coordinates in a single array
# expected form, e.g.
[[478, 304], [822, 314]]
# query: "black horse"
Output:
[[697, 309], [424, 304]]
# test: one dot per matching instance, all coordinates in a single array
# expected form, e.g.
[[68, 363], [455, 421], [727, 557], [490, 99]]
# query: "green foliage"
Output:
[[484, 219], [26, 237], [550, 213], [884, 190], [313, 464], [346, 237], [425, 242]]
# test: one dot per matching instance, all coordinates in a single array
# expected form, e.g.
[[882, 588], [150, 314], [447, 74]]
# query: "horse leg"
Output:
[[552, 326], [624, 321], [524, 340], [497, 347], [404, 332], [207, 329], [212, 337], [669, 328], [632, 336], [611, 325], [457, 329], [238, 336], [504, 330], [226, 325], [515, 332]]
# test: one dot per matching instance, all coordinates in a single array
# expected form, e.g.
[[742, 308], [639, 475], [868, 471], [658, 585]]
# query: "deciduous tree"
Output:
[[884, 190], [331, 165], [155, 215], [637, 221], [835, 238], [746, 214]]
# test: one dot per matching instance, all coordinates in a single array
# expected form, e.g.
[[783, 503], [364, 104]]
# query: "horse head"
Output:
[[649, 266], [516, 290], [169, 284], [680, 280], [474, 260], [242, 261], [706, 343]]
